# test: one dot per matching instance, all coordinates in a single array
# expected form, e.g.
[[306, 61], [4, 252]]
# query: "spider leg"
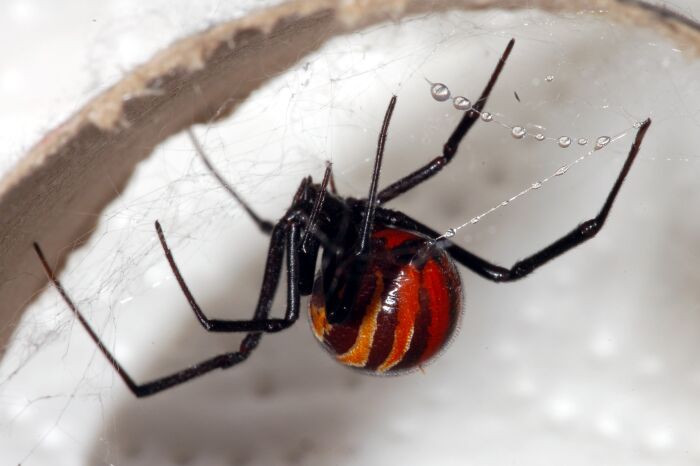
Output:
[[223, 361], [334, 189], [496, 273], [318, 204], [449, 150], [362, 245], [307, 266], [288, 228], [264, 225]]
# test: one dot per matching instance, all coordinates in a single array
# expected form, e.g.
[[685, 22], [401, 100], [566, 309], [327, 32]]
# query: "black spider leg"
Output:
[[449, 150], [306, 259], [313, 238], [311, 242], [223, 361], [264, 225], [318, 204], [334, 189], [496, 273], [368, 220], [260, 321], [339, 304]]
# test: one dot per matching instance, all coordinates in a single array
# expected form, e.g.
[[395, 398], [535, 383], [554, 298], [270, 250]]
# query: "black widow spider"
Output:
[[388, 296]]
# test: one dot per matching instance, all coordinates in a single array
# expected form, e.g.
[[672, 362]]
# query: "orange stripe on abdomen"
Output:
[[358, 354], [408, 305]]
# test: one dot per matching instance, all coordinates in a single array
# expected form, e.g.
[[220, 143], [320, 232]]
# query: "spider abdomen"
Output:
[[406, 310]]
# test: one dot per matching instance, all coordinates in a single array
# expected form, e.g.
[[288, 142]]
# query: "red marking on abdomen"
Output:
[[405, 310], [441, 319], [393, 238]]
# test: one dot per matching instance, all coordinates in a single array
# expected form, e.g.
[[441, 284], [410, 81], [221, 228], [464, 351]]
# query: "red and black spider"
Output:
[[388, 295]]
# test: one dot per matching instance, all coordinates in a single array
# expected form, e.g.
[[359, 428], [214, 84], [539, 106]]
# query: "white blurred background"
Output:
[[592, 360]]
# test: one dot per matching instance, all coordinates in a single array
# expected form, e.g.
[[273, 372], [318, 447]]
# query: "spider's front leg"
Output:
[[583, 232], [449, 150]]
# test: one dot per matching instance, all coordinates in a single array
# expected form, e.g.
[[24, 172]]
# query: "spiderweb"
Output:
[[592, 357]]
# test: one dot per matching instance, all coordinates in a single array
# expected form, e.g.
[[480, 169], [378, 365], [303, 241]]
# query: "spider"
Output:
[[388, 295]]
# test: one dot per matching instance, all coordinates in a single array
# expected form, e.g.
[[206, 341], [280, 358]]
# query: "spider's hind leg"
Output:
[[264, 225], [141, 390], [285, 236]]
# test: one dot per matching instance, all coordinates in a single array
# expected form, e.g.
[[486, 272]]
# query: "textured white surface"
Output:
[[592, 360]]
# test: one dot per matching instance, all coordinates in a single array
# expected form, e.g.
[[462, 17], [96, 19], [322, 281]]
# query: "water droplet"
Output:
[[582, 141], [537, 185], [461, 103], [539, 136], [518, 132], [602, 142], [440, 92], [561, 171], [564, 141], [450, 233], [549, 78], [486, 116]]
